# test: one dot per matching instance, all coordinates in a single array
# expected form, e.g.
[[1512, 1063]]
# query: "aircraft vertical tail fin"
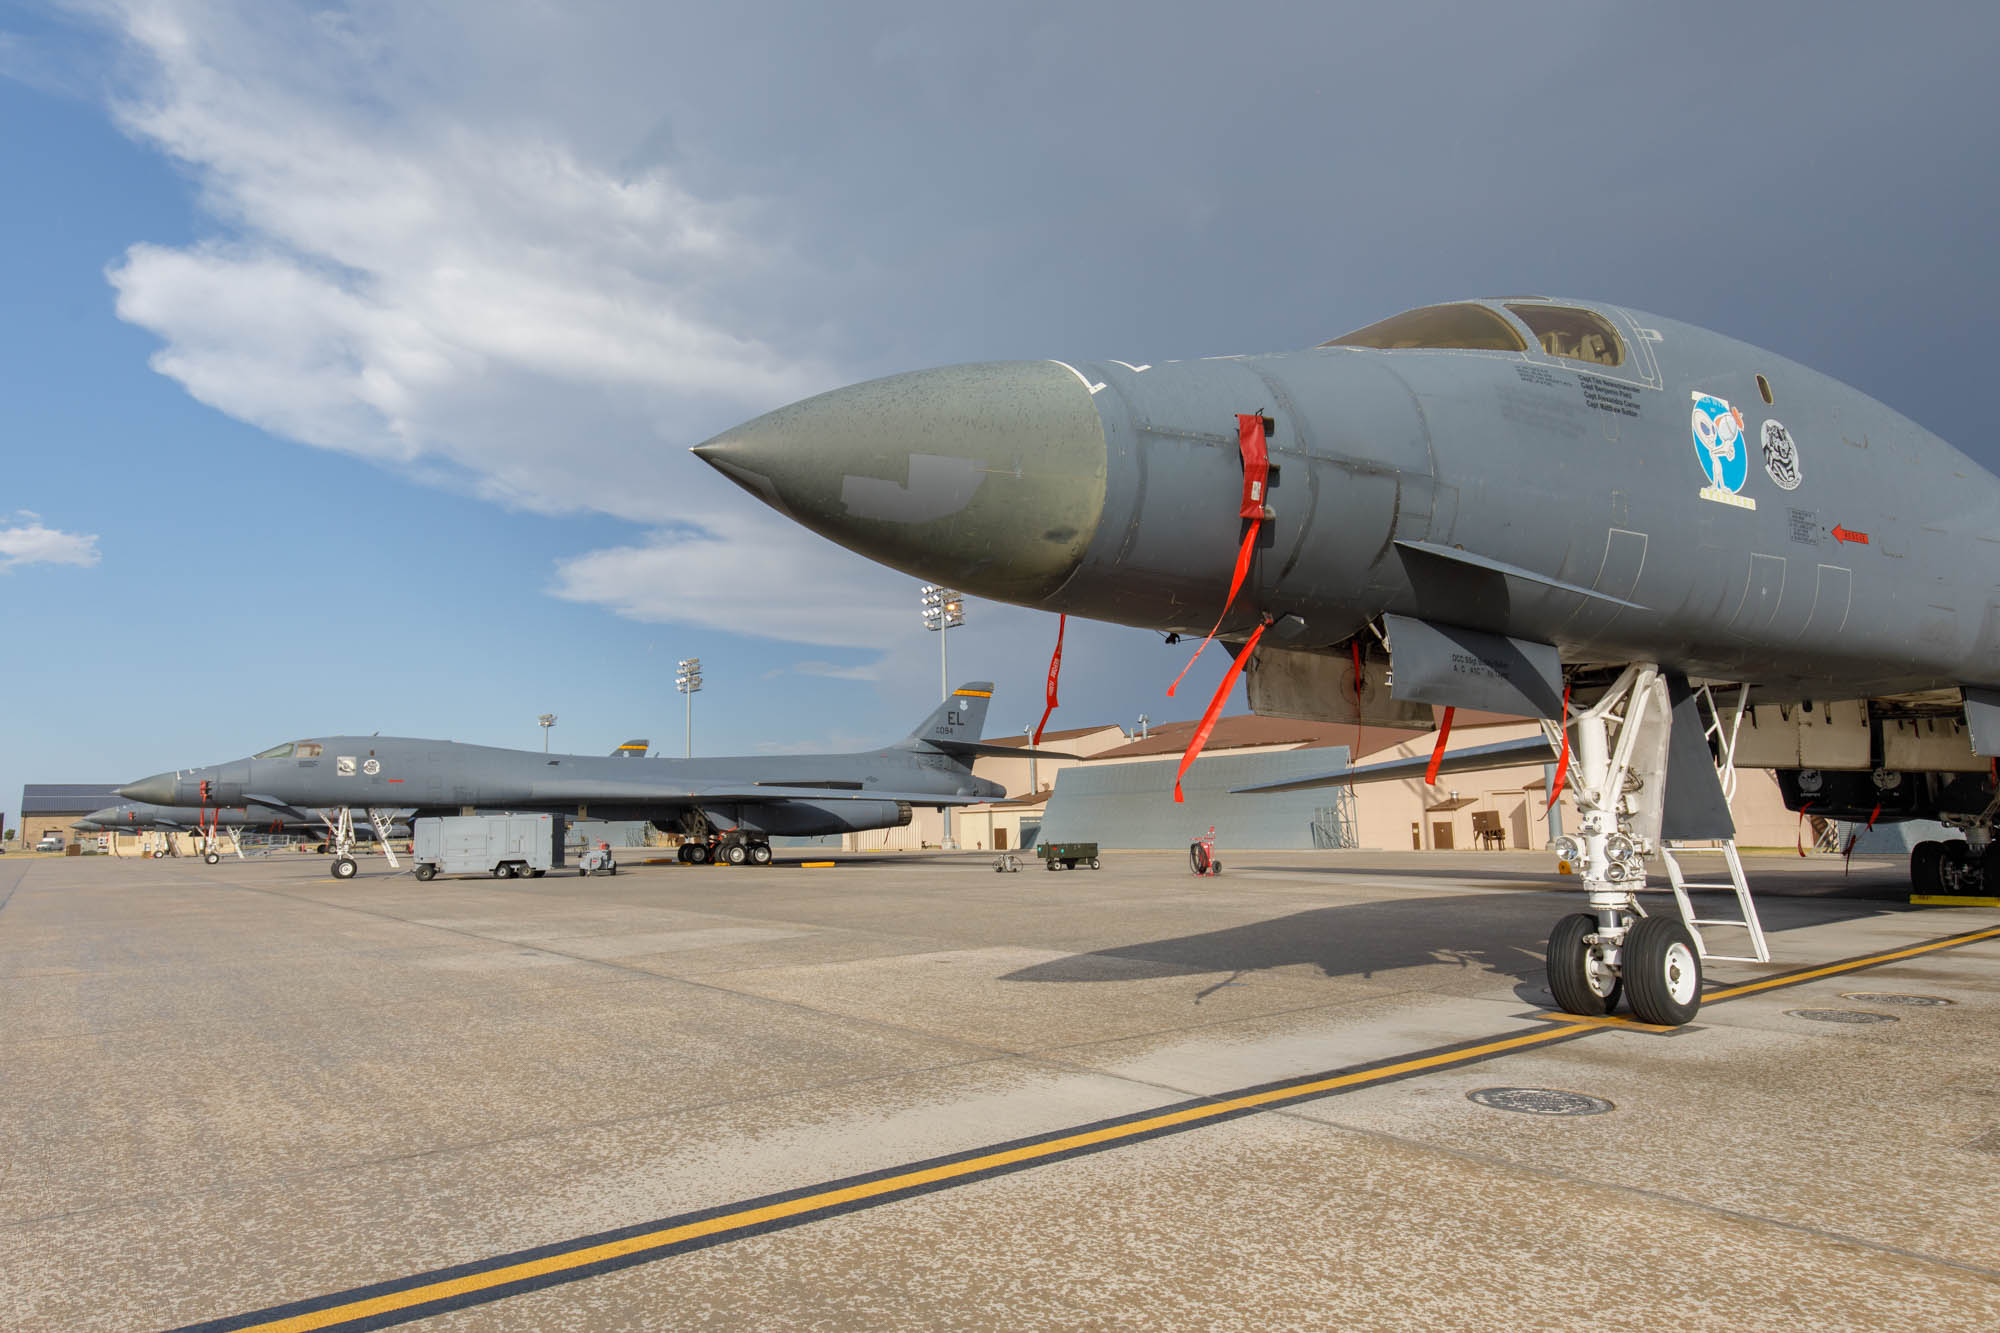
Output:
[[631, 750], [962, 717]]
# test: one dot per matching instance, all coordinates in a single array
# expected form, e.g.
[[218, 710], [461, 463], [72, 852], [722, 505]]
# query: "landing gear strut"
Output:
[[1619, 770], [340, 840]]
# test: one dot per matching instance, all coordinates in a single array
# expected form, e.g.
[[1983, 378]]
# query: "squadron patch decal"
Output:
[[1721, 450], [343, 765], [371, 766], [1781, 457]]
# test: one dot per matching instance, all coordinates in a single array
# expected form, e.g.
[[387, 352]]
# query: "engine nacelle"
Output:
[[809, 819]]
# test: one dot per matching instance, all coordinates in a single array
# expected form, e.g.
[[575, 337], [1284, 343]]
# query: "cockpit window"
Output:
[[276, 752], [309, 749], [1566, 331], [1459, 325]]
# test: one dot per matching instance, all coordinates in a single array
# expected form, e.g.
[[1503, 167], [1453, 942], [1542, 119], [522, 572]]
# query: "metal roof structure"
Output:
[[1132, 805], [67, 798]]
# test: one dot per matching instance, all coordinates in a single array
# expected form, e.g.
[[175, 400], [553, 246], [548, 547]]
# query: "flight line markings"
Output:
[[422, 1295]]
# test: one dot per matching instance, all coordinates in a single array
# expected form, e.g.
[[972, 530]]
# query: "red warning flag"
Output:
[[1256, 475], [1055, 674], [1562, 761], [1437, 753], [1215, 707]]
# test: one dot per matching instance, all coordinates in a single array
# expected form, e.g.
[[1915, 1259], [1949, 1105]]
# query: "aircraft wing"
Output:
[[1504, 754], [998, 751], [753, 793], [610, 790]]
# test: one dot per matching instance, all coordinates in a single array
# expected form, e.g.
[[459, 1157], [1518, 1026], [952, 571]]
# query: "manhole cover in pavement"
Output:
[[1841, 1016], [1891, 997], [1539, 1101]]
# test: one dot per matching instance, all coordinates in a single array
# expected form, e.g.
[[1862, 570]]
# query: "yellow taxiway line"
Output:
[[422, 1295]]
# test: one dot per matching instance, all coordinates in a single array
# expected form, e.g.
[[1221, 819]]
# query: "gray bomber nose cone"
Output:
[[156, 790], [989, 476]]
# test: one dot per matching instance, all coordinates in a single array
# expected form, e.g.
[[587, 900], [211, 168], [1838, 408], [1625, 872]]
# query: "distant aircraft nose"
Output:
[[989, 477], [156, 790]]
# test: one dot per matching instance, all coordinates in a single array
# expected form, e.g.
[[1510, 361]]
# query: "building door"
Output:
[[1441, 836], [999, 837]]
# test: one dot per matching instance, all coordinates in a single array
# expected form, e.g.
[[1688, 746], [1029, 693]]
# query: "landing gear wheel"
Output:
[[697, 854], [1578, 978], [683, 853], [1662, 971], [425, 872], [343, 867], [1992, 867], [1925, 858], [761, 854], [737, 854], [1954, 866], [213, 858], [159, 855]]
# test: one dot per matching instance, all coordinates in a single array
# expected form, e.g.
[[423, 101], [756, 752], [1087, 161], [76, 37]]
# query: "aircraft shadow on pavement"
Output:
[[1502, 933]]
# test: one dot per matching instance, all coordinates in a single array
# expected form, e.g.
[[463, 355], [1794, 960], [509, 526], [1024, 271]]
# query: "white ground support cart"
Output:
[[504, 846]]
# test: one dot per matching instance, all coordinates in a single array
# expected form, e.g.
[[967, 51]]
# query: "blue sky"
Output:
[[366, 341]]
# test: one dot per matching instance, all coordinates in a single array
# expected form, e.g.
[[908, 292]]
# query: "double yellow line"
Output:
[[426, 1294]]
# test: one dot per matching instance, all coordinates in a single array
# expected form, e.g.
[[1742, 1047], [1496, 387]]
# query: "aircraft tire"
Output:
[[1925, 858], [343, 867], [1662, 971], [426, 871], [213, 858], [1991, 866], [1576, 988], [737, 854], [697, 854], [761, 854]]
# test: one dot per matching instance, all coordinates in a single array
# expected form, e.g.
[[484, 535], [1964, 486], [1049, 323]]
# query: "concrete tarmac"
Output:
[[706, 1097]]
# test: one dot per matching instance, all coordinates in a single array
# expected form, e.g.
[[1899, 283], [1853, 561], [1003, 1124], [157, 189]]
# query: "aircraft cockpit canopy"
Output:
[[1566, 331], [1460, 325], [291, 750]]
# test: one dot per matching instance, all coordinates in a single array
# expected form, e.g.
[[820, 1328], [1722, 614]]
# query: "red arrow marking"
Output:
[[1841, 534]]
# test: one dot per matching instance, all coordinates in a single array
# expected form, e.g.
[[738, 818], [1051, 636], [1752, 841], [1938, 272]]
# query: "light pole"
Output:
[[687, 679], [1028, 730], [546, 720], [943, 611]]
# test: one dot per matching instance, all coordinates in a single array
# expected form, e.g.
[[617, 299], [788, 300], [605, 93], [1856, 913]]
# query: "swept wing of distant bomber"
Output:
[[1684, 553], [726, 806]]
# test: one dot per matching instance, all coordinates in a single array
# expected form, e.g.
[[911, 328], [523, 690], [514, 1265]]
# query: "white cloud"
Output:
[[28, 542], [834, 671], [418, 260], [747, 575]]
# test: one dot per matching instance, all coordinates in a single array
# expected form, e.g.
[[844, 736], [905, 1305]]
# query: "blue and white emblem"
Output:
[[1719, 446]]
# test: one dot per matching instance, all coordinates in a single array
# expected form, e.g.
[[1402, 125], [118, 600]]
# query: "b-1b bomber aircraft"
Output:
[[727, 807], [1683, 553]]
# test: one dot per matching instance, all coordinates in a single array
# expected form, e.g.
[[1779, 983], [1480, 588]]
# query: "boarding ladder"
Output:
[[1721, 730]]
